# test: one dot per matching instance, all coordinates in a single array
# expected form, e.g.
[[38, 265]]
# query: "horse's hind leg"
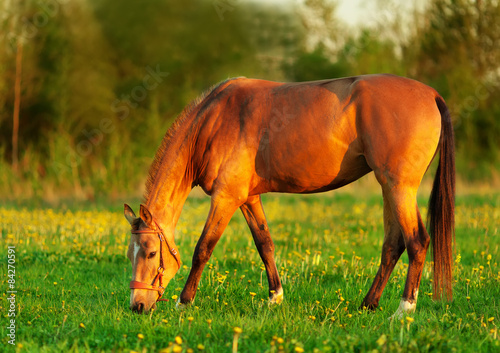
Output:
[[392, 249], [403, 202], [256, 219]]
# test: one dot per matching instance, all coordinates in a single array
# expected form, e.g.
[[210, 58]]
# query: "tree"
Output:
[[459, 56]]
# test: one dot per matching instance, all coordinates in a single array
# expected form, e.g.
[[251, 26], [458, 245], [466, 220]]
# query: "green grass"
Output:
[[72, 279]]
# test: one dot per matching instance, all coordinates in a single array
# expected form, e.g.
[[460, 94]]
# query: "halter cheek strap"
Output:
[[159, 276]]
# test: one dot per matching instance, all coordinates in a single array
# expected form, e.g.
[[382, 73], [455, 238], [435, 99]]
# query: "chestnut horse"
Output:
[[246, 137]]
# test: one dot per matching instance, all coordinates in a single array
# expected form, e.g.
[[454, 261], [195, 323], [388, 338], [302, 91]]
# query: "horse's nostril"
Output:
[[139, 308]]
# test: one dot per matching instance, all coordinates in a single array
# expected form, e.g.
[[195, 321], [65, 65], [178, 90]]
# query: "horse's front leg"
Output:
[[256, 219], [221, 211]]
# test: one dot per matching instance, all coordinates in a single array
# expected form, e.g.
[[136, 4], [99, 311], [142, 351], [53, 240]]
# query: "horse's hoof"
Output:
[[180, 306], [277, 297], [405, 307]]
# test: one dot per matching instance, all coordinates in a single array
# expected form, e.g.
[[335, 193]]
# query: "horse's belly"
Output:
[[317, 168]]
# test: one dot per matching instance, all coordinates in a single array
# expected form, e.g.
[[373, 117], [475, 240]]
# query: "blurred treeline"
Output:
[[99, 81]]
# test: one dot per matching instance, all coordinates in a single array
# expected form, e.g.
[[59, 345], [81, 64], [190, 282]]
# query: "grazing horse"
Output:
[[246, 137]]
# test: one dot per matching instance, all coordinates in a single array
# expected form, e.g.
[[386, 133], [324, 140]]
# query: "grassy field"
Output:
[[72, 283]]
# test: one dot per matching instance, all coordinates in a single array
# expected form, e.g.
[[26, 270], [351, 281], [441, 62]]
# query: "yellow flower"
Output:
[[140, 336], [491, 319], [237, 330], [174, 297], [252, 294], [200, 347], [299, 349], [409, 319], [178, 340], [190, 318], [381, 340], [177, 349], [81, 325]]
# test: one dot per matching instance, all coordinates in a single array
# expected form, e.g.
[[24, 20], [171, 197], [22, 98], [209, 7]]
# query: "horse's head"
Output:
[[154, 260]]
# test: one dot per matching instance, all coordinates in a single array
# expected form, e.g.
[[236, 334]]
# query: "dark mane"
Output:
[[174, 128]]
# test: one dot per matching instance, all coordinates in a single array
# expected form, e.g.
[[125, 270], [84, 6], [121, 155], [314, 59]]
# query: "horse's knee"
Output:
[[201, 256], [265, 246]]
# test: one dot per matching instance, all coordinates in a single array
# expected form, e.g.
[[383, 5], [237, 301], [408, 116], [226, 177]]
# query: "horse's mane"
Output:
[[174, 128]]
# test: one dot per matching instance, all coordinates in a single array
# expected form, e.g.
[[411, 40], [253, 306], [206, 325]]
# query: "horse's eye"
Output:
[[151, 255]]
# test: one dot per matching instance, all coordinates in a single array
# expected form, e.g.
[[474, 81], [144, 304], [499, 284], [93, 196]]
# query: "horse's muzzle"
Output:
[[141, 307]]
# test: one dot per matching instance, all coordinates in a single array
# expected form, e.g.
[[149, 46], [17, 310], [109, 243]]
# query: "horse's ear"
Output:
[[129, 214], [146, 216]]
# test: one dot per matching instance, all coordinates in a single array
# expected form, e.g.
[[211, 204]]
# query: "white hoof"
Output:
[[405, 307], [277, 297]]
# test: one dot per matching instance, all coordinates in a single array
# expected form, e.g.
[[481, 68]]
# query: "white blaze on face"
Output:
[[137, 247]]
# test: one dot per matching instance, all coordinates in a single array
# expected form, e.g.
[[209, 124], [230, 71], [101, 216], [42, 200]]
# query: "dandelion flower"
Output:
[[178, 340], [140, 336]]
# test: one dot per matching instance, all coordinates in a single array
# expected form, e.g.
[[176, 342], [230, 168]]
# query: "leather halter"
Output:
[[159, 276]]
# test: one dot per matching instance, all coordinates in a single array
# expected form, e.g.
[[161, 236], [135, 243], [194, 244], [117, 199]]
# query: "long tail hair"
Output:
[[441, 214]]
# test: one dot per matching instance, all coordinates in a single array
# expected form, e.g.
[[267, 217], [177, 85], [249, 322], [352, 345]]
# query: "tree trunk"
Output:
[[17, 105]]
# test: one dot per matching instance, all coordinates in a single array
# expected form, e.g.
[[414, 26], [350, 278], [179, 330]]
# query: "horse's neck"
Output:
[[172, 182]]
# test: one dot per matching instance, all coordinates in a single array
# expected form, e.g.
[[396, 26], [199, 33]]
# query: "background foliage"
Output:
[[103, 80]]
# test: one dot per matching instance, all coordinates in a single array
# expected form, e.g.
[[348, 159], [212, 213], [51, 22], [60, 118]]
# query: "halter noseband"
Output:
[[159, 276]]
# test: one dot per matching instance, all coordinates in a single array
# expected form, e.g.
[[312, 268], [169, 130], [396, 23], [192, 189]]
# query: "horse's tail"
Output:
[[441, 214]]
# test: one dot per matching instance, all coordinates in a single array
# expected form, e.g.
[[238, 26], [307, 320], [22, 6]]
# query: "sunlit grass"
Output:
[[72, 277]]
